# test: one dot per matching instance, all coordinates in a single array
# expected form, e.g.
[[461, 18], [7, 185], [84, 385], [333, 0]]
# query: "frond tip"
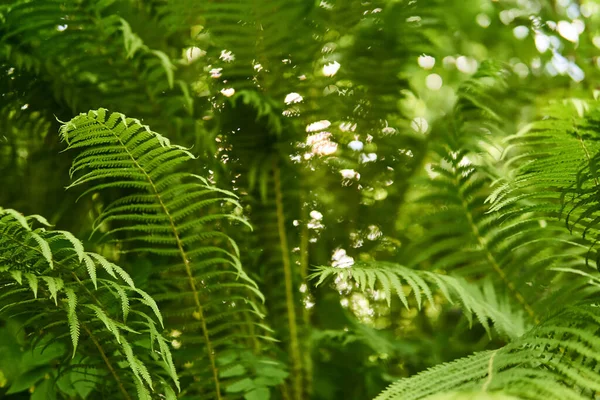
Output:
[[72, 296]]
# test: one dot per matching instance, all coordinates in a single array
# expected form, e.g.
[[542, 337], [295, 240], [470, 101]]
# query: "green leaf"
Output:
[[258, 394], [42, 354], [40, 219], [236, 370], [132, 41], [271, 372], [54, 286], [72, 318], [45, 247], [77, 245], [17, 276], [150, 303], [91, 269], [28, 379], [168, 67], [16, 215], [44, 391], [32, 280], [243, 385]]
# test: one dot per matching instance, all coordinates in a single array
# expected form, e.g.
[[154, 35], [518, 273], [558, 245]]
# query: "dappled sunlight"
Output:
[[296, 200], [331, 69], [292, 98]]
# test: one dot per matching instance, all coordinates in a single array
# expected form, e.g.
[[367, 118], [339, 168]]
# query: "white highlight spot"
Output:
[[331, 69], [193, 53], [340, 259], [228, 92], [575, 72], [521, 69], [579, 25], [466, 65], [506, 16], [321, 144], [350, 174], [542, 42], [227, 56], [568, 31], [316, 215], [521, 32], [293, 98], [318, 126], [365, 158], [420, 125], [483, 20], [426, 62], [434, 81], [356, 145], [347, 126]]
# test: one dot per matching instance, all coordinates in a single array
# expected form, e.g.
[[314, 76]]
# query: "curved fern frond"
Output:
[[61, 293], [175, 215], [556, 360], [396, 280]]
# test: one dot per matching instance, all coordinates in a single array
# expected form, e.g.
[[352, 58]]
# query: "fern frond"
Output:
[[47, 284], [555, 168], [53, 39], [396, 280], [171, 214], [464, 236], [556, 360]]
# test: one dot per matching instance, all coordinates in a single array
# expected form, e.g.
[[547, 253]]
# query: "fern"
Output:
[[518, 235], [206, 292], [463, 235], [61, 293], [284, 96], [556, 360], [403, 282], [54, 38], [555, 173], [264, 65]]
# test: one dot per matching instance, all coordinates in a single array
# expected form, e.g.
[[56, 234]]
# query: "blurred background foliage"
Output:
[[323, 116]]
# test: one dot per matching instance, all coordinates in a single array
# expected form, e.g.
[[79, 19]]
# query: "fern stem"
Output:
[[188, 269], [289, 288], [587, 156], [490, 372], [107, 362], [492, 260], [304, 241]]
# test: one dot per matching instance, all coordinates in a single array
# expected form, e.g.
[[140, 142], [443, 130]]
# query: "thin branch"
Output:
[[289, 287]]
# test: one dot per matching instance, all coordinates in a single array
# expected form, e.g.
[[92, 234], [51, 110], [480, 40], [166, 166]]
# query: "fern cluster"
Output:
[[372, 150], [168, 213], [62, 294], [556, 360], [510, 240]]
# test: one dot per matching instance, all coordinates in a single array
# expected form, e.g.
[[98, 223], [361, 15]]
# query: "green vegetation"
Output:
[[298, 199]]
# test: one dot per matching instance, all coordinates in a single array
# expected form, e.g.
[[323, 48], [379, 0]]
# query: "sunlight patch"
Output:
[[293, 98], [331, 69]]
